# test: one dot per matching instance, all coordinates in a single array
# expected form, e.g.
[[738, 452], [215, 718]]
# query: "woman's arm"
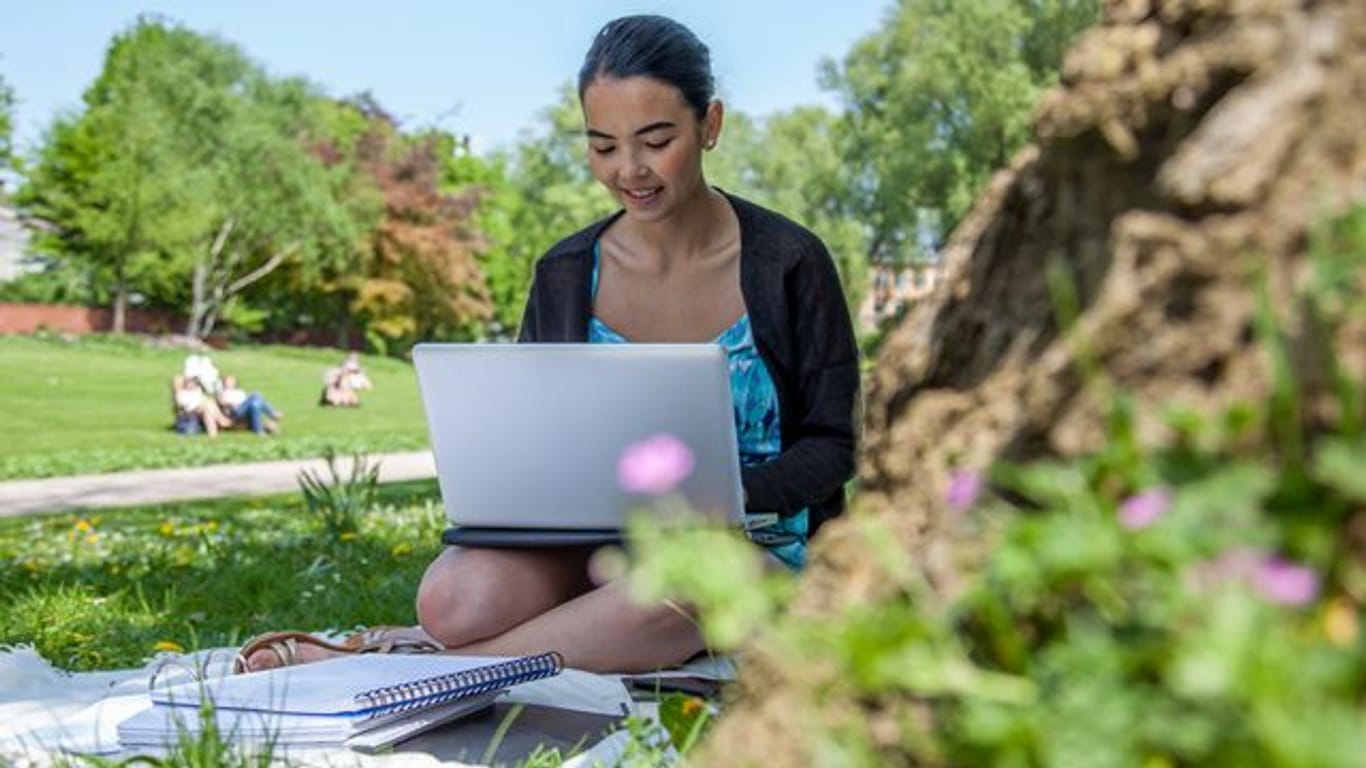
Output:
[[819, 422]]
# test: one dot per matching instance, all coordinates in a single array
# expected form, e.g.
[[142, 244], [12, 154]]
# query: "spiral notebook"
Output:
[[163, 727], [362, 686]]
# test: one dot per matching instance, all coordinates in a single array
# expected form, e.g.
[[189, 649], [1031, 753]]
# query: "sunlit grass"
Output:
[[108, 591], [98, 404]]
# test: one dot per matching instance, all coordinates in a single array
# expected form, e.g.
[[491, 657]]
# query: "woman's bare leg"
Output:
[[527, 601], [468, 595], [602, 631]]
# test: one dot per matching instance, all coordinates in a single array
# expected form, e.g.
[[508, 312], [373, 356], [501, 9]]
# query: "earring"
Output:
[[711, 144]]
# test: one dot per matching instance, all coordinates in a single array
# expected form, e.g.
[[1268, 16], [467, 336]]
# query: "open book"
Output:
[[336, 700]]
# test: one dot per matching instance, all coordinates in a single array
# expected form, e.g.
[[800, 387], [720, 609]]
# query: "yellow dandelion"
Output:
[[84, 526], [402, 549], [1340, 622], [91, 538], [167, 528], [168, 645], [348, 536]]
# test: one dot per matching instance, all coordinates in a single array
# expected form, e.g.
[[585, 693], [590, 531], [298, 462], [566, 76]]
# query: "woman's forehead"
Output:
[[632, 103]]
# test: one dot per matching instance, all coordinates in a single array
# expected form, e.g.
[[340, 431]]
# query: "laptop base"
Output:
[[518, 538]]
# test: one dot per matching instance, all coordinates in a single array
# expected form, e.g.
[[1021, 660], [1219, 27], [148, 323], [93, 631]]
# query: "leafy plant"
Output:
[[340, 501]]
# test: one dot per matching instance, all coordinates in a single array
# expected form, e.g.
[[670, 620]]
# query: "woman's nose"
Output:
[[635, 165]]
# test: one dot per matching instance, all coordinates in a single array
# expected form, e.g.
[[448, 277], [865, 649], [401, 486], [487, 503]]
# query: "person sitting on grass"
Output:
[[355, 374], [681, 261], [337, 389], [247, 408], [196, 411]]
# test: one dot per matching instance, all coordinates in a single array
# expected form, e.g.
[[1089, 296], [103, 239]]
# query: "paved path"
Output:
[[122, 489]]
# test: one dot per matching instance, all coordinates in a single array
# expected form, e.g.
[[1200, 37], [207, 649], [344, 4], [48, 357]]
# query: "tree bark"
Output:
[[120, 308]]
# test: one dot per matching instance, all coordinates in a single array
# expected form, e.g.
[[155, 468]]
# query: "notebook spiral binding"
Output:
[[458, 685]]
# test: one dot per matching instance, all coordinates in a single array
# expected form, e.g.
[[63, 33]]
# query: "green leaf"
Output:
[[1341, 465]]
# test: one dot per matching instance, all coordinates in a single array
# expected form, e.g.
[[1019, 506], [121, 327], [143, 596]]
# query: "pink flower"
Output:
[[1275, 579], [655, 465], [964, 489], [1285, 583], [1143, 509]]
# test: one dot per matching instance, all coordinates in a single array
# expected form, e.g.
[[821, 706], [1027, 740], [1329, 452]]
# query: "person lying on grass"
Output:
[[681, 262], [249, 408]]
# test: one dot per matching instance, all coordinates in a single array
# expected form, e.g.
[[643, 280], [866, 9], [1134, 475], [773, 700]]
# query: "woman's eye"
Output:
[[658, 144], [604, 150]]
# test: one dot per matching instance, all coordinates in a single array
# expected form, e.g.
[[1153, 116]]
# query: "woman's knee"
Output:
[[448, 600], [469, 595]]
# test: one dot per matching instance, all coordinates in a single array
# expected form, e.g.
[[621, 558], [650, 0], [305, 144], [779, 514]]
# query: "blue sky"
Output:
[[483, 69]]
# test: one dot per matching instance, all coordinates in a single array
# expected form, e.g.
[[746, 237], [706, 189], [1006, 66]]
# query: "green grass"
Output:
[[103, 591], [100, 404]]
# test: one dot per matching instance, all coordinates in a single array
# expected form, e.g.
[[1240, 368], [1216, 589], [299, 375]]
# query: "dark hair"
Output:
[[655, 47]]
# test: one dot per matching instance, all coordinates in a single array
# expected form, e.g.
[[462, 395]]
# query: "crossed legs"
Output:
[[505, 602], [523, 601]]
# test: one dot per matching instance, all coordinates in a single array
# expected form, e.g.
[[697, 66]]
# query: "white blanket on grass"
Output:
[[46, 713]]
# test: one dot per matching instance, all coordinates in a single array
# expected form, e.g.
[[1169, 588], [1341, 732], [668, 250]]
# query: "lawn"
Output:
[[109, 590], [99, 404]]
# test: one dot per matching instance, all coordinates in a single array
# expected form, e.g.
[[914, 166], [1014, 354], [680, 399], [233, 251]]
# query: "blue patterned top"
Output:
[[757, 420]]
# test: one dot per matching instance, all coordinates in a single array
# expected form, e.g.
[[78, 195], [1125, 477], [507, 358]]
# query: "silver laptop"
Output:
[[528, 437]]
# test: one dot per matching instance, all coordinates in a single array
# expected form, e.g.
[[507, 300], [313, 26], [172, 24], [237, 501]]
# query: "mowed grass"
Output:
[[99, 404], [108, 590]]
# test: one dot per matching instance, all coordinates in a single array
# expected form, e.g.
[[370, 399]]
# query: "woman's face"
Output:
[[645, 143]]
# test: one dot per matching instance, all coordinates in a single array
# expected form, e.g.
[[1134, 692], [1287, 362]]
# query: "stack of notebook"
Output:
[[363, 702]]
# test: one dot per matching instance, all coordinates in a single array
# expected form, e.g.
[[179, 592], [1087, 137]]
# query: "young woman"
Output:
[[681, 262]]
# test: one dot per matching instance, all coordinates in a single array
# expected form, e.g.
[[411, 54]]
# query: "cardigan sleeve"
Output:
[[528, 330], [819, 425]]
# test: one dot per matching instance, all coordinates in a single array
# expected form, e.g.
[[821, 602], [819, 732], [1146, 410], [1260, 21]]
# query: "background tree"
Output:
[[110, 179], [548, 194], [938, 98], [189, 175], [422, 278]]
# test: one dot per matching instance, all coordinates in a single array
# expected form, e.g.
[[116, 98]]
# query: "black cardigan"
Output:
[[801, 328]]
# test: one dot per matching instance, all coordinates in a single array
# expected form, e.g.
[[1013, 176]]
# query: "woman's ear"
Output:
[[711, 124]]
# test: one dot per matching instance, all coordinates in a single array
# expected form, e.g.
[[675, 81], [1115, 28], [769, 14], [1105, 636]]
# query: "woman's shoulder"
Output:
[[771, 233]]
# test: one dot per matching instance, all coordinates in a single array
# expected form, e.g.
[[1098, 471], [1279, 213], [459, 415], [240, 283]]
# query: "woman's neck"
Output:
[[692, 231]]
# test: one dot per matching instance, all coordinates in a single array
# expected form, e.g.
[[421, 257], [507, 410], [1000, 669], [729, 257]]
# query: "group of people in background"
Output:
[[205, 401]]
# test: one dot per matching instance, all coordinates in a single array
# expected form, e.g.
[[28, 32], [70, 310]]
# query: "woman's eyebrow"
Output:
[[659, 126]]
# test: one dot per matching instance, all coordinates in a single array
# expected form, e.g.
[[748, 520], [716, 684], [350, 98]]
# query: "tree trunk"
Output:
[[120, 303], [198, 324], [1163, 176]]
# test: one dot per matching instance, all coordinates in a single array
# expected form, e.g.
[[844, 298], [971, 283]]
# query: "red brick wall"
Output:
[[62, 318]]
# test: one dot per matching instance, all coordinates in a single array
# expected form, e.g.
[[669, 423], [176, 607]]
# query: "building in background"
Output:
[[893, 290], [14, 243]]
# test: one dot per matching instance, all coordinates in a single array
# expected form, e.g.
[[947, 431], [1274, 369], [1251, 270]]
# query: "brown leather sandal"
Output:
[[382, 639]]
